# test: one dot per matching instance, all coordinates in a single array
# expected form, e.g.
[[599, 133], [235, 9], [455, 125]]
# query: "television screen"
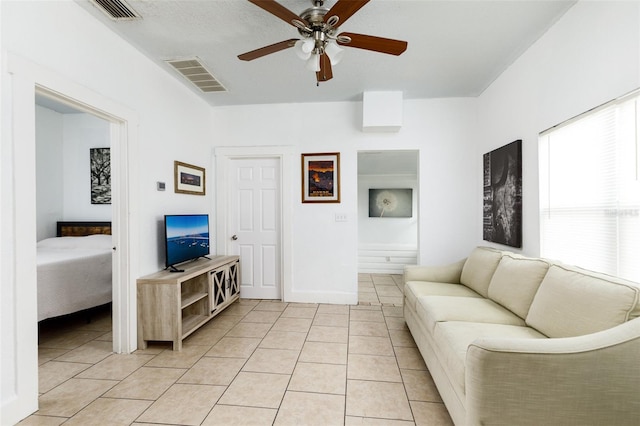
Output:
[[186, 237]]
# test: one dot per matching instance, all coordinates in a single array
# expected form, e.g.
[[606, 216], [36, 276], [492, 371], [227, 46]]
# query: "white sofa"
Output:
[[511, 340]]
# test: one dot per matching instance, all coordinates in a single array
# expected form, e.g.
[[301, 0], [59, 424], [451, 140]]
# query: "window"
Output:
[[590, 190]]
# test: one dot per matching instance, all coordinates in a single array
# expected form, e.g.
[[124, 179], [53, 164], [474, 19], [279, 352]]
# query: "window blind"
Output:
[[590, 190]]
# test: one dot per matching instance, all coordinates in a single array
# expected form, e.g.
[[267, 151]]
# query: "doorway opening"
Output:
[[388, 189]]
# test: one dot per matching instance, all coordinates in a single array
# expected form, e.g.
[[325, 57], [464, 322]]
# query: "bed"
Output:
[[74, 269]]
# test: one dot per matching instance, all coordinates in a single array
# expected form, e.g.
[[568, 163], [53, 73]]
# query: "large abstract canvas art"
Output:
[[502, 205]]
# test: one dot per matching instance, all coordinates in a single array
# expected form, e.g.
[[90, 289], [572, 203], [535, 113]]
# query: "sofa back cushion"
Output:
[[573, 302], [516, 281], [479, 268]]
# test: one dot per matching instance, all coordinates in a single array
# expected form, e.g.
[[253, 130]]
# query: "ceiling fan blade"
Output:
[[344, 9], [278, 10], [263, 51], [376, 44], [325, 73]]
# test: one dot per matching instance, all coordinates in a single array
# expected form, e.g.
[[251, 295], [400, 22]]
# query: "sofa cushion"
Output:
[[573, 302], [516, 281], [413, 290], [452, 339], [479, 268], [434, 309]]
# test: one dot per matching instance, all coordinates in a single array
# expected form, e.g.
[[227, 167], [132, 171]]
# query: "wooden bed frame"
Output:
[[81, 229]]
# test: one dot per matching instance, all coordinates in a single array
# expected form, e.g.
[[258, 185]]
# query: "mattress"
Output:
[[74, 273]]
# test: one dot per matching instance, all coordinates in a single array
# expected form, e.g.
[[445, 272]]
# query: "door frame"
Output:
[[25, 80], [222, 159]]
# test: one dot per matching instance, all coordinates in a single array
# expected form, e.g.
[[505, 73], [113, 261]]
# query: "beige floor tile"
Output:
[[319, 333], [381, 400], [54, 373], [229, 415], [389, 300], [402, 338], [249, 329], [36, 420], [115, 367], [283, 340], [368, 421], [225, 322], [271, 305], [301, 408], [367, 297], [90, 353], [183, 404], [373, 316], [396, 323], [237, 310], [430, 414], [304, 305], [266, 317], [117, 411], [213, 371], [368, 289], [256, 390], [393, 311], [368, 345], [382, 279], [48, 354], [185, 358], [326, 353], [389, 291], [146, 383], [420, 386], [72, 396], [205, 336], [319, 378], [333, 309], [277, 361], [301, 325], [331, 320], [234, 347], [364, 328], [373, 367], [107, 337], [410, 358], [369, 307], [294, 311], [70, 340]]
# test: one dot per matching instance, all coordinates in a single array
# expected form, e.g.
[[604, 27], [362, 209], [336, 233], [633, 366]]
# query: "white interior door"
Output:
[[254, 225]]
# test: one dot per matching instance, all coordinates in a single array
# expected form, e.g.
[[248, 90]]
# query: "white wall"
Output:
[[592, 55], [73, 50], [63, 189], [49, 158], [448, 176], [81, 133]]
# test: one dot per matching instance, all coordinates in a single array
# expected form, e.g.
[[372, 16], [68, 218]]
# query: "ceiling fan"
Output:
[[319, 45]]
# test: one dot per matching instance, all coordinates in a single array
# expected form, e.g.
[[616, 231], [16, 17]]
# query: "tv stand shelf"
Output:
[[172, 305]]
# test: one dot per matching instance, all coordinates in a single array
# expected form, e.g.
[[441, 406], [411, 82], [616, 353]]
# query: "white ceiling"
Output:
[[455, 48]]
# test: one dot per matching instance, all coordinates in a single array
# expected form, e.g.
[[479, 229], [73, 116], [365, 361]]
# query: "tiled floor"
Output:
[[257, 363]]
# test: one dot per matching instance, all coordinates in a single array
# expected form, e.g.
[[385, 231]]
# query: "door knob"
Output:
[[235, 237]]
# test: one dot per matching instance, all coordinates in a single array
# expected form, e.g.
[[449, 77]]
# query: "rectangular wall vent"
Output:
[[194, 71], [116, 9]]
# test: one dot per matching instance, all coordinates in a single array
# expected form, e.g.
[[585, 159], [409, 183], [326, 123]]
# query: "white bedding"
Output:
[[74, 273]]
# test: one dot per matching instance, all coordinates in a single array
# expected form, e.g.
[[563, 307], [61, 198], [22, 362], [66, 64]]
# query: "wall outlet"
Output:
[[341, 217], [161, 186]]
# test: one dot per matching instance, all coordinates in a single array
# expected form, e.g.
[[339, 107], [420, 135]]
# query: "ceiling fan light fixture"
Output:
[[303, 48], [313, 63], [334, 52]]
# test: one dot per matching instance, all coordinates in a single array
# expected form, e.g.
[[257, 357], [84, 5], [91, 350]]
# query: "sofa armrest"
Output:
[[585, 380], [441, 273]]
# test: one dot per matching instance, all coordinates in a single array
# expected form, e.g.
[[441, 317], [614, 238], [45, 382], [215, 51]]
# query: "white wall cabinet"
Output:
[[172, 305]]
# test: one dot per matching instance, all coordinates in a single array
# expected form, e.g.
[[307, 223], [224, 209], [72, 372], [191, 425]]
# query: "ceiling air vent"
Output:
[[116, 9], [196, 73]]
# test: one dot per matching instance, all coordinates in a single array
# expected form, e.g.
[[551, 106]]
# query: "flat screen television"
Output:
[[186, 238]]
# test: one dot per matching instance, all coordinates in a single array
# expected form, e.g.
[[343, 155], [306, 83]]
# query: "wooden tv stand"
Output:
[[172, 305]]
